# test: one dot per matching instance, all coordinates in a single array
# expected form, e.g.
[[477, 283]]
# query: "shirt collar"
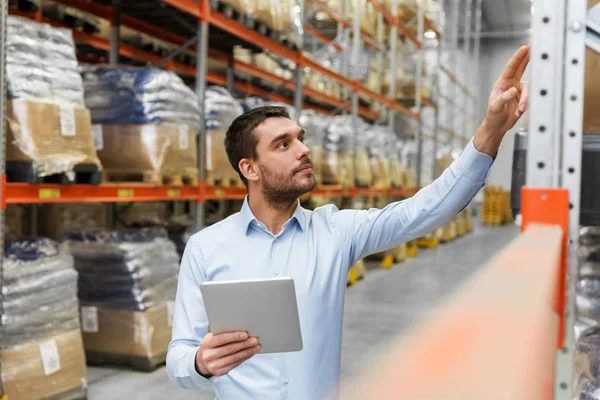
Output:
[[247, 217]]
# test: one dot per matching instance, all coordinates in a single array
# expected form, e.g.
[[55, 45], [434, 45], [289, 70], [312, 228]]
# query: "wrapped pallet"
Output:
[[291, 22], [220, 111], [379, 140], [56, 219], [337, 153], [127, 285], [48, 127], [42, 351], [149, 114], [364, 173], [269, 12], [315, 126], [587, 364]]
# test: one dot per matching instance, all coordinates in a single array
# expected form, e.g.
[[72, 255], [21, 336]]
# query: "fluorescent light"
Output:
[[430, 34]]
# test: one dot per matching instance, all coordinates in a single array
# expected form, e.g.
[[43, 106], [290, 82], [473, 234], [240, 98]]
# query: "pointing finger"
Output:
[[513, 65]]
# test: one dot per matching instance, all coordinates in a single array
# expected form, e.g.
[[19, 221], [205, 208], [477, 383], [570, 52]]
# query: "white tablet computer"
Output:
[[265, 308]]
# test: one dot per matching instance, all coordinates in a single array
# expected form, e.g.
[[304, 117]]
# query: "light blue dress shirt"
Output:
[[315, 248]]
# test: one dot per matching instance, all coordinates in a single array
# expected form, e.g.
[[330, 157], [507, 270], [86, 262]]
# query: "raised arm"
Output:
[[366, 232]]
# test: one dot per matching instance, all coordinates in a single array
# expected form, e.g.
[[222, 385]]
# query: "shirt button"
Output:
[[286, 381], [276, 239], [276, 272]]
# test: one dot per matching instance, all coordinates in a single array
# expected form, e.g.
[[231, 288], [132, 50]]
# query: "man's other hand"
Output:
[[507, 103], [219, 354]]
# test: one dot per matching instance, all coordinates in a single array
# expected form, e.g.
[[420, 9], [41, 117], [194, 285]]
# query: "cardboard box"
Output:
[[55, 219], [145, 146], [166, 148], [127, 333], [45, 368], [182, 155], [56, 137]]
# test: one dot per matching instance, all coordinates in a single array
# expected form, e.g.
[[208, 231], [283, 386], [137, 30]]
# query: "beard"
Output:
[[281, 190]]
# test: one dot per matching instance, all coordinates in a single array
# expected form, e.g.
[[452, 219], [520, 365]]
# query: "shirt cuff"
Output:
[[196, 380], [474, 164]]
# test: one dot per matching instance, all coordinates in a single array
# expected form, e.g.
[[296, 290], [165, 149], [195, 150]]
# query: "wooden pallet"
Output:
[[26, 172], [147, 177], [212, 181], [137, 363]]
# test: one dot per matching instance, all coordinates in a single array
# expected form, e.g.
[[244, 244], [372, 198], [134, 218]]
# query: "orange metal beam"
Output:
[[314, 32], [456, 81], [19, 193], [315, 66], [492, 339], [550, 206], [391, 21]]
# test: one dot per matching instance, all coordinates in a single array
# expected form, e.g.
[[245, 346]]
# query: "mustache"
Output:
[[306, 163]]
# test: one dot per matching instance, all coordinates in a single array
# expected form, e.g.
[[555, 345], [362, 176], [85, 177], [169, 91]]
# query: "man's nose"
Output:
[[304, 151]]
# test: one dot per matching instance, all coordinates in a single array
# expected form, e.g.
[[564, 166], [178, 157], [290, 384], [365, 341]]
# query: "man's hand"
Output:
[[507, 102], [219, 354]]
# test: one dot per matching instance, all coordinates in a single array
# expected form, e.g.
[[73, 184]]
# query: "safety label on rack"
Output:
[[67, 121], [125, 193], [173, 193], [50, 357], [98, 135], [47, 194], [89, 319], [184, 141], [170, 312]]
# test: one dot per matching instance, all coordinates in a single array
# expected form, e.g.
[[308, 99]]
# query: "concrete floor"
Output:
[[378, 308]]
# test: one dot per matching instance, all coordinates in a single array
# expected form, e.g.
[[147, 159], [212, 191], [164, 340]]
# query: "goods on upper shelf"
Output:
[[148, 114], [127, 284], [220, 111], [380, 141], [42, 352], [337, 153], [315, 127], [49, 130]]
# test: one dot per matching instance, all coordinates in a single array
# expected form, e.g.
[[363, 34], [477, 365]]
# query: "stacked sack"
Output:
[[149, 114], [337, 152], [127, 285], [49, 126], [42, 350], [587, 348], [379, 142], [220, 111], [315, 127]]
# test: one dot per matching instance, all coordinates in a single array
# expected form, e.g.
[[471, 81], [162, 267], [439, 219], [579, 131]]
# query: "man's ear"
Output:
[[248, 169]]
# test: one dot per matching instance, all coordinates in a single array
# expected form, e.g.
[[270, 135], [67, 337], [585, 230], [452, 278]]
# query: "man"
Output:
[[273, 236]]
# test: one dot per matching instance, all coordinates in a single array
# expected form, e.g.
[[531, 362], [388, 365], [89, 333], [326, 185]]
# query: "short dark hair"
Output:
[[240, 141]]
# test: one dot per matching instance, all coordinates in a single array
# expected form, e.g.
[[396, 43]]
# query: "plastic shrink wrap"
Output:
[[119, 95], [379, 143], [315, 127], [42, 351], [149, 114], [337, 153], [127, 284], [587, 364], [48, 125], [364, 173], [220, 111], [55, 219]]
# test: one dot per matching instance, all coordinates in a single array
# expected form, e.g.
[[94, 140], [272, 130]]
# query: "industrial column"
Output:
[[392, 53], [466, 135], [418, 83], [201, 66], [355, 75], [3, 91], [555, 136]]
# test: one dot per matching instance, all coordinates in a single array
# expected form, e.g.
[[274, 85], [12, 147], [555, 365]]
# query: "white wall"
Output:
[[494, 56]]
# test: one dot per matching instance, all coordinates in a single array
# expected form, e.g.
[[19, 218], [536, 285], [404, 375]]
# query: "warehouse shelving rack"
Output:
[[121, 12]]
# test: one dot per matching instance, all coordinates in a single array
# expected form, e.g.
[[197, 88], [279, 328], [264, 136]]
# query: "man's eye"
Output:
[[301, 139], [283, 145]]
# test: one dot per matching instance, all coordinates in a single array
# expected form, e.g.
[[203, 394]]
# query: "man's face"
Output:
[[283, 161]]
